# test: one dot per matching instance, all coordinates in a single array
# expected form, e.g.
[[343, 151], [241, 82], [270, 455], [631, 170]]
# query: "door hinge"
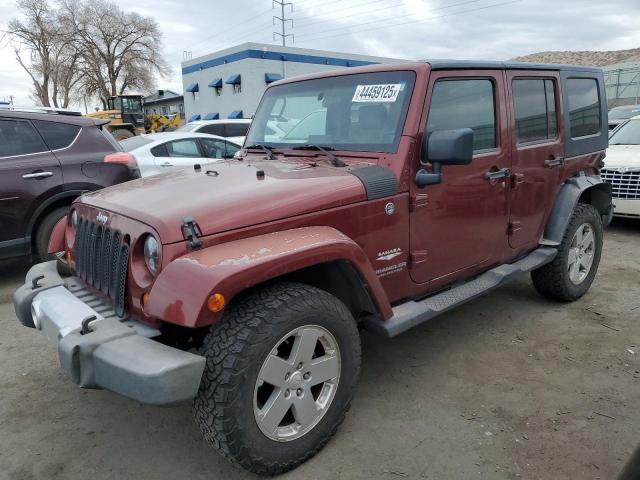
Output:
[[513, 227], [416, 258], [516, 179], [417, 201]]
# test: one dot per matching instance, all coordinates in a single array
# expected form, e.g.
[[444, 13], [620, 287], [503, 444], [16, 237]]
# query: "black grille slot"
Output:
[[102, 260]]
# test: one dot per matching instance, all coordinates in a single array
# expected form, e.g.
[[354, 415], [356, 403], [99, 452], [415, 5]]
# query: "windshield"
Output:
[[627, 134], [362, 112], [127, 104], [129, 144], [622, 113], [187, 127]]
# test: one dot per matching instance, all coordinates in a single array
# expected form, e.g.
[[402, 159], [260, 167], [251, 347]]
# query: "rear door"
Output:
[[29, 174], [537, 152], [178, 153]]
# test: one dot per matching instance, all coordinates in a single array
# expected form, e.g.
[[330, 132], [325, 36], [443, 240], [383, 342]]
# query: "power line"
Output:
[[283, 21], [383, 27]]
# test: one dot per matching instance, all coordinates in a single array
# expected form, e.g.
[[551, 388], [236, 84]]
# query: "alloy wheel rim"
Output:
[[581, 253], [297, 383]]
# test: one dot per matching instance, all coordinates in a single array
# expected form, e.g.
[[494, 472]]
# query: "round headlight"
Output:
[[151, 254], [74, 219]]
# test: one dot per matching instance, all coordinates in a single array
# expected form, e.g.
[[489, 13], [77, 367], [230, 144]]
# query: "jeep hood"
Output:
[[228, 195]]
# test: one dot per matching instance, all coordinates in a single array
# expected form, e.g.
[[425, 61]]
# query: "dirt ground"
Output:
[[508, 386]]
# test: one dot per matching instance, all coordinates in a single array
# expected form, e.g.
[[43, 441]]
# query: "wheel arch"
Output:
[[318, 256], [58, 200], [580, 189]]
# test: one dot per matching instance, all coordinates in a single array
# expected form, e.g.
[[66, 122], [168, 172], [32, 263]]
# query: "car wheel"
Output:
[[43, 234], [280, 374], [570, 274]]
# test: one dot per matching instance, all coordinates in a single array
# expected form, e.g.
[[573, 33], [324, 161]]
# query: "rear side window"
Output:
[[465, 104], [213, 129], [177, 148], [19, 137], [236, 129], [534, 102], [584, 107], [57, 135]]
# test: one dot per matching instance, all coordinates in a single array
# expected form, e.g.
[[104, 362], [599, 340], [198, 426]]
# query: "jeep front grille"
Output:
[[102, 260], [624, 185]]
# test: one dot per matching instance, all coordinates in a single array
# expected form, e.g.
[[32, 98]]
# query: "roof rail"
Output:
[[34, 109]]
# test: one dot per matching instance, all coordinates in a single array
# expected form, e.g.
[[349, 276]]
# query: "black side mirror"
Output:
[[444, 147]]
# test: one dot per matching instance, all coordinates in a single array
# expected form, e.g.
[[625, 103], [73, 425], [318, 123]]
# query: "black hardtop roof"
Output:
[[508, 65], [53, 117]]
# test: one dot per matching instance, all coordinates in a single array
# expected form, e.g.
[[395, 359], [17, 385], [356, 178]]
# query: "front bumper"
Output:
[[113, 353], [626, 208]]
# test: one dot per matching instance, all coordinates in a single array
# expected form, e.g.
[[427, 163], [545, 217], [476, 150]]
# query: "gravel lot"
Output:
[[508, 386]]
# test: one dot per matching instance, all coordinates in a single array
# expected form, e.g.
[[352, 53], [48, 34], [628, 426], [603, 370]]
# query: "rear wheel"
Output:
[[281, 371], [571, 273], [121, 134]]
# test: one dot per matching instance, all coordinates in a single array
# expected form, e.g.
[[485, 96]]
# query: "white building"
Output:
[[229, 83]]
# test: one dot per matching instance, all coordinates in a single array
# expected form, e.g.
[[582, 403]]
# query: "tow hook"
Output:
[[85, 324], [34, 282]]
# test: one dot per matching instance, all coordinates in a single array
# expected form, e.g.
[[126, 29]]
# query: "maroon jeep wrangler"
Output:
[[397, 193]]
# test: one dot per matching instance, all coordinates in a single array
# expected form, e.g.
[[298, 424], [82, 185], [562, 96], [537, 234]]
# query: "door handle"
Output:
[[166, 164], [492, 175], [38, 175], [554, 162]]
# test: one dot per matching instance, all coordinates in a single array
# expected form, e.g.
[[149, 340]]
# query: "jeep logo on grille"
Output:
[[102, 218]]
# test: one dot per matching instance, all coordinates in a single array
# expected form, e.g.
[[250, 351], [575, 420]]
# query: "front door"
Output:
[[537, 153], [178, 153], [460, 225], [29, 174]]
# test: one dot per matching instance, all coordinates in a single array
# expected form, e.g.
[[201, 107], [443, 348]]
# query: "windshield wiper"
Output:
[[335, 161], [268, 149]]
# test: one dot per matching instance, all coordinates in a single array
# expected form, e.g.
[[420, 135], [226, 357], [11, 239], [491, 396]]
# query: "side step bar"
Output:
[[412, 313]]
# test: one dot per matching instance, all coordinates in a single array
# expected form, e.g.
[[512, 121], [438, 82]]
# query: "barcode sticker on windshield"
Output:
[[377, 93]]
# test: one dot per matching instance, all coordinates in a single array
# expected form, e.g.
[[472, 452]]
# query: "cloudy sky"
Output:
[[411, 29]]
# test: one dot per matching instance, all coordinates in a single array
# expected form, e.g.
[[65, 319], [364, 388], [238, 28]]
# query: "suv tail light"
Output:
[[121, 157]]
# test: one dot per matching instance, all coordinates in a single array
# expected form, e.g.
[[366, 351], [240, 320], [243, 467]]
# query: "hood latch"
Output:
[[190, 231]]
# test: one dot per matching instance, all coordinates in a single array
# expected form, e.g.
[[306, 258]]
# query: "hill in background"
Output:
[[588, 58]]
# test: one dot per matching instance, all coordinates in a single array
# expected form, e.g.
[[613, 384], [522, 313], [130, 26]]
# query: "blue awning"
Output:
[[193, 88], [194, 117], [217, 83], [236, 114], [272, 77], [233, 79], [211, 116]]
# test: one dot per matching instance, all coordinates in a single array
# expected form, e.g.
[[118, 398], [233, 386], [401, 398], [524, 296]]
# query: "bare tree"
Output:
[[36, 35], [46, 51], [118, 51]]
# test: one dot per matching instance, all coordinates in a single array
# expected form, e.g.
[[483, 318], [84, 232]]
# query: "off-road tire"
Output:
[[552, 280], [121, 134], [43, 233], [235, 349]]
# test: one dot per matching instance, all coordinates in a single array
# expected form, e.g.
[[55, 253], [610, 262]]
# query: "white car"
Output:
[[229, 128], [158, 152], [622, 168]]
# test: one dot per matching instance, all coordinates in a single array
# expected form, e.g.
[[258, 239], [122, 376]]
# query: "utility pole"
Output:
[[283, 20]]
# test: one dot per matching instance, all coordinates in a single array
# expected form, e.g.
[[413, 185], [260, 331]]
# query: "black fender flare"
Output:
[[582, 188]]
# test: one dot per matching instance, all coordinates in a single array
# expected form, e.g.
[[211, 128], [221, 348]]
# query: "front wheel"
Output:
[[280, 374], [571, 273]]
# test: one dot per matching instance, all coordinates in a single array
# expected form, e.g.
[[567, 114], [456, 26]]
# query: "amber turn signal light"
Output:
[[69, 258], [145, 299], [215, 302]]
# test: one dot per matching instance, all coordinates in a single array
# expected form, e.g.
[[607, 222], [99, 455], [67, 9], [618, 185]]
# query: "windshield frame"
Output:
[[391, 148]]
